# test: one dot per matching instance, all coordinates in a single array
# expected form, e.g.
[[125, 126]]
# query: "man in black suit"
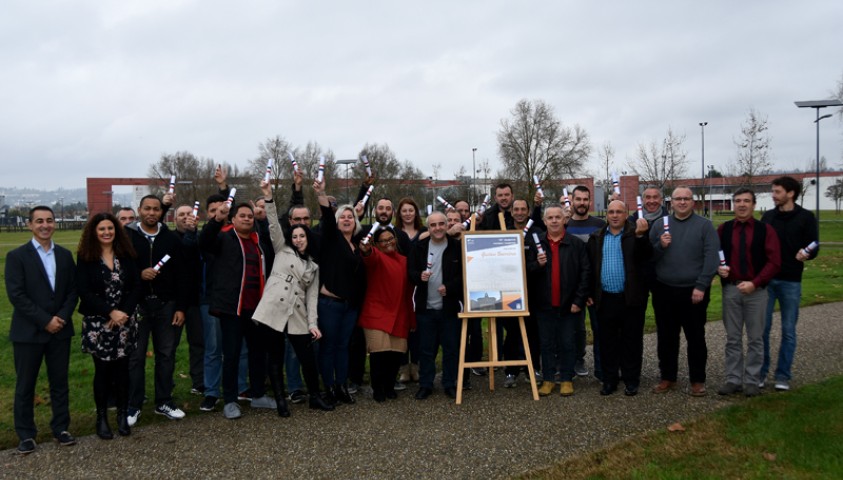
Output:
[[41, 285]]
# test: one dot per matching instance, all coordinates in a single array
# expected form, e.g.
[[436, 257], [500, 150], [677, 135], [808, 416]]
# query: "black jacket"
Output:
[[172, 282], [227, 269], [451, 275], [796, 229], [34, 302], [91, 284], [491, 221], [636, 252], [574, 269]]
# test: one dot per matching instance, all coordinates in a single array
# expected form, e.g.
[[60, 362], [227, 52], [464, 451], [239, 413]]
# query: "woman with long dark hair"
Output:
[[109, 289], [288, 305], [410, 222]]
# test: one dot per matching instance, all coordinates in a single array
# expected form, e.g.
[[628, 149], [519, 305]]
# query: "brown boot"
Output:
[[404, 373]]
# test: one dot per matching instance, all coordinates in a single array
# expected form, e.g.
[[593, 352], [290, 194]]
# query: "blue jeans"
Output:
[[336, 321], [437, 328], [213, 352], [213, 356], [292, 367], [558, 331], [788, 294]]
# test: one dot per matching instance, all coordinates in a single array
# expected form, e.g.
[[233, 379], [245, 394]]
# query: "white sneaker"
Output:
[[782, 385], [170, 411], [132, 416], [264, 402], [231, 411]]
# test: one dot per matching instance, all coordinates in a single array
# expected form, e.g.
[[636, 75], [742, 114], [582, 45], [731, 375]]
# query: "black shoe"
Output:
[[329, 397], [123, 427], [391, 393], [378, 395], [451, 392], [608, 389], [281, 406], [103, 429], [208, 403], [65, 439], [318, 403], [630, 390], [297, 397], [423, 393], [343, 395], [26, 447]]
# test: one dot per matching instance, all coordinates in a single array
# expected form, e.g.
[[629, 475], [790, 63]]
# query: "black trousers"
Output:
[[234, 329], [513, 347], [383, 367], [621, 338], [28, 359], [675, 313], [111, 379], [303, 346], [196, 342]]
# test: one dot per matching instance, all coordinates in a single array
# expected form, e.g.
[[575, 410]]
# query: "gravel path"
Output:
[[490, 435]]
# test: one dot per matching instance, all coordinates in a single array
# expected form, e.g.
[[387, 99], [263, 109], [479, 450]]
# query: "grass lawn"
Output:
[[822, 283], [790, 435]]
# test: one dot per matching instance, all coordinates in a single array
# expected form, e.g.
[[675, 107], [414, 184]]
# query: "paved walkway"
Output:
[[490, 435]]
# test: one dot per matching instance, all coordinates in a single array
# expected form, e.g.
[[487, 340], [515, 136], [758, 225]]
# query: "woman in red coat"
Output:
[[387, 315]]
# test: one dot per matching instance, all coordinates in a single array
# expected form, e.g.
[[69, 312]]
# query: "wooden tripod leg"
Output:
[[493, 350], [529, 356], [461, 371]]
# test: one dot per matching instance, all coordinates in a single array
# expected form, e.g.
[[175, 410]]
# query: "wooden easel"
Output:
[[493, 344]]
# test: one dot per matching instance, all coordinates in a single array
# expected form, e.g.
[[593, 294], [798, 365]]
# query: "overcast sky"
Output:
[[102, 89]]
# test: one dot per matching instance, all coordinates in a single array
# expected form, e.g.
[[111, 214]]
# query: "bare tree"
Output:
[[281, 173], [395, 179], [835, 192], [607, 153], [534, 142], [753, 148], [661, 165], [194, 176]]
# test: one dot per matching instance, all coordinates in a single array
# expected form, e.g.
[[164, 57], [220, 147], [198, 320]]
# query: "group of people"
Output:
[[264, 295]]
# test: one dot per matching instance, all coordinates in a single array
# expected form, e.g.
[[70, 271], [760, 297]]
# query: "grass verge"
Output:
[[787, 435]]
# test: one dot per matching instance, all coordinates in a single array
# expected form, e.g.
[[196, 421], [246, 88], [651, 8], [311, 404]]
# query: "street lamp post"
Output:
[[347, 163], [474, 181], [817, 105], [702, 128], [710, 194]]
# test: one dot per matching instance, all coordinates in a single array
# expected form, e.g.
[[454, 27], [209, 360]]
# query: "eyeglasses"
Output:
[[386, 241], [682, 199]]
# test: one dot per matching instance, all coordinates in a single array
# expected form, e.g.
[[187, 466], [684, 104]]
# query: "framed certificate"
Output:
[[494, 274]]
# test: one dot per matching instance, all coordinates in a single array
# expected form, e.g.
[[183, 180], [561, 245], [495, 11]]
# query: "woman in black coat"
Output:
[[109, 290]]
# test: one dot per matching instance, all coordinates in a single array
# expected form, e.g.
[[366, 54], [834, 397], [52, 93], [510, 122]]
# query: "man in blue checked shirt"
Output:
[[617, 253]]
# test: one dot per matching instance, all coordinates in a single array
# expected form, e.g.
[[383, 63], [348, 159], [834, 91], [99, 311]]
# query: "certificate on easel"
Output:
[[494, 274]]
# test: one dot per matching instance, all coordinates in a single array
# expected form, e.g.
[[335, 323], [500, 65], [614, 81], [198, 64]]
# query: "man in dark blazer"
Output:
[[41, 286]]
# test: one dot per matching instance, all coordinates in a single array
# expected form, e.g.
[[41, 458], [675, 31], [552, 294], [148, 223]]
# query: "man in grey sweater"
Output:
[[685, 253]]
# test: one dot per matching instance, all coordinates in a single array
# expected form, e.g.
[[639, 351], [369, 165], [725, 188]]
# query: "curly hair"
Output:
[[90, 250]]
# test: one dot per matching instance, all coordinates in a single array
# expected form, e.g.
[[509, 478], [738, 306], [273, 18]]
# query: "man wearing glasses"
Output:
[[685, 253]]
